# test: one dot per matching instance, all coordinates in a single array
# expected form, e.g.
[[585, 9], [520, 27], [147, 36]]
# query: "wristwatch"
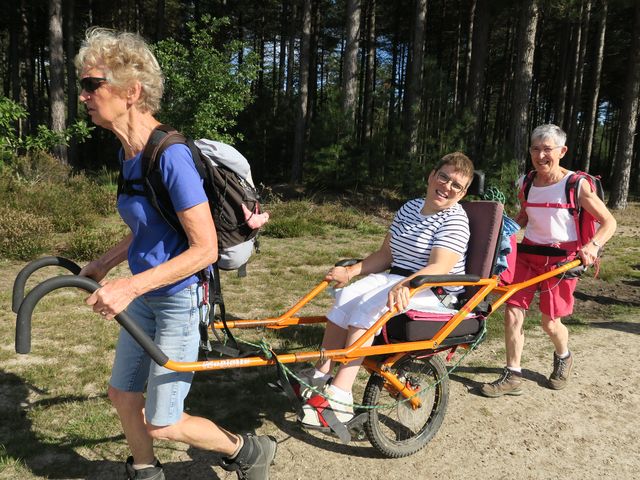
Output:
[[595, 243]]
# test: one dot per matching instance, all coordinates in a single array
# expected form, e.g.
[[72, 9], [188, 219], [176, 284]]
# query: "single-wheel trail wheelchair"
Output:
[[405, 399]]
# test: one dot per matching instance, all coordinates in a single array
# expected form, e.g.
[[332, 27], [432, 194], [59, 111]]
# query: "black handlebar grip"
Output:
[[23, 321], [24, 274]]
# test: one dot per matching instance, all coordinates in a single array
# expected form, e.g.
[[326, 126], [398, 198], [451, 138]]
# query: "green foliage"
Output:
[[88, 243], [304, 217], [11, 143], [23, 235], [10, 113], [38, 166], [206, 87], [502, 174], [40, 186]]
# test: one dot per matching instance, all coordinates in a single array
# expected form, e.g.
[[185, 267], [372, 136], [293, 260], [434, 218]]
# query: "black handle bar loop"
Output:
[[24, 274], [23, 321]]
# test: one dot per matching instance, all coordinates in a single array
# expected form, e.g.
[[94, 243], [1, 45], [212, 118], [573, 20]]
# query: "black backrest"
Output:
[[485, 222]]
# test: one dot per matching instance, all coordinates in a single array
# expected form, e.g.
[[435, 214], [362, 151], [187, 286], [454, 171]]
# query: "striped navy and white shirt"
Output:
[[413, 235]]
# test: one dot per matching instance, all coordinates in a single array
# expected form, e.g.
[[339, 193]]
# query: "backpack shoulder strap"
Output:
[[160, 139], [527, 181], [572, 188]]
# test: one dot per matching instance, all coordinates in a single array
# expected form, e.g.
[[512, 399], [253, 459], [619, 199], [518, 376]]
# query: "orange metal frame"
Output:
[[487, 286]]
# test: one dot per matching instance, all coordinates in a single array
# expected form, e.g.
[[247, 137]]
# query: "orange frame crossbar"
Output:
[[486, 286]]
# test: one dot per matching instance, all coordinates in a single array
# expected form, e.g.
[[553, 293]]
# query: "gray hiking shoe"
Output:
[[254, 458], [561, 371], [150, 473], [509, 383]]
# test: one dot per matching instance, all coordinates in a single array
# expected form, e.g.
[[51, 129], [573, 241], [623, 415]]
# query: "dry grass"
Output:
[[55, 420]]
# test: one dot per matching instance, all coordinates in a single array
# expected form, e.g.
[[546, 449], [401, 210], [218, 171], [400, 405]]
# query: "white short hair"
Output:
[[549, 131]]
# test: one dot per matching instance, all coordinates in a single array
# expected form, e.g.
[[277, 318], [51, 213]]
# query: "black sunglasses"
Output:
[[91, 84]]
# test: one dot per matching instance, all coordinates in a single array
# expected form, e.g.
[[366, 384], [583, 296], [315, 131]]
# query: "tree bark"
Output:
[[301, 120], [591, 115], [412, 100], [72, 88], [160, 20], [291, 49], [350, 63], [523, 77], [562, 76], [369, 76], [576, 98], [56, 76], [475, 88], [627, 122]]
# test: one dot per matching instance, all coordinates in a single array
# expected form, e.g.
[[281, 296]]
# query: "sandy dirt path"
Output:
[[588, 431]]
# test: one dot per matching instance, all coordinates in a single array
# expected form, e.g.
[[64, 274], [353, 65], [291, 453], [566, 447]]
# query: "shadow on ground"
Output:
[[473, 386], [50, 460]]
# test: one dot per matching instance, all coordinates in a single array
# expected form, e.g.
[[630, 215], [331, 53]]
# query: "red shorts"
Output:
[[556, 295]]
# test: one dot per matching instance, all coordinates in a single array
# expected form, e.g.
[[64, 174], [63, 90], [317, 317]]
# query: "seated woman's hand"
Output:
[[340, 275], [398, 297]]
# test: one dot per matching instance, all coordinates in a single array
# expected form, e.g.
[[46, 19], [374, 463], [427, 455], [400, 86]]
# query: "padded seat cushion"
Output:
[[404, 329]]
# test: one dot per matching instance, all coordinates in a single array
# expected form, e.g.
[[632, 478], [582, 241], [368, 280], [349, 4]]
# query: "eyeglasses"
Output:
[[443, 179], [91, 84], [545, 150]]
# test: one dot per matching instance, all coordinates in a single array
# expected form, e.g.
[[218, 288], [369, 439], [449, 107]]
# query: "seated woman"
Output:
[[427, 237]]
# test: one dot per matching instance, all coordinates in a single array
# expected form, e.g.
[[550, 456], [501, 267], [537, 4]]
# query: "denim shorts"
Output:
[[172, 322]]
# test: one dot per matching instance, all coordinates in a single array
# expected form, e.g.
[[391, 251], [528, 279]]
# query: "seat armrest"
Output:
[[422, 279]]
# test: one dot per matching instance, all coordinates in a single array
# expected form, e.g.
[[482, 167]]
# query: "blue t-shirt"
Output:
[[154, 241]]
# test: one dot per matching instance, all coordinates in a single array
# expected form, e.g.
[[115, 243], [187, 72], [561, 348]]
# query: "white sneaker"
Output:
[[314, 408], [303, 391]]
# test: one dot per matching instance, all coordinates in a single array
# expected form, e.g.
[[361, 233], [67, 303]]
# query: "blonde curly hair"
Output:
[[125, 58]]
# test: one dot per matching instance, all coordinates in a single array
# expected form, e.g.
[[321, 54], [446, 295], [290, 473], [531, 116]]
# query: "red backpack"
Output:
[[586, 224]]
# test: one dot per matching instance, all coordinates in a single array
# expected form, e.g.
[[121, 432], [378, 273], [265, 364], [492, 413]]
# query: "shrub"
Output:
[[39, 166], [89, 243], [71, 204], [23, 235]]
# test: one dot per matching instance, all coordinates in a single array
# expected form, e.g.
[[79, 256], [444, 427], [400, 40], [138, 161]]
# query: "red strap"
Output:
[[547, 205], [205, 296], [451, 353]]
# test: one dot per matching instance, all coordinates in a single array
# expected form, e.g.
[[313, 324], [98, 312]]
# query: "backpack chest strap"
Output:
[[547, 205], [128, 187]]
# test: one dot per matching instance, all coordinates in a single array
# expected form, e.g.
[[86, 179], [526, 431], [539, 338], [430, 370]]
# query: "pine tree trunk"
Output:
[[627, 122], [303, 100], [523, 76], [576, 99], [475, 88], [160, 20], [72, 88], [56, 75], [562, 77], [350, 62], [369, 75], [391, 110], [291, 49], [14, 63], [591, 115], [412, 100]]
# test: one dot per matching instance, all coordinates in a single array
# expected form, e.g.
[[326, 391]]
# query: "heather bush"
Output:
[[23, 235]]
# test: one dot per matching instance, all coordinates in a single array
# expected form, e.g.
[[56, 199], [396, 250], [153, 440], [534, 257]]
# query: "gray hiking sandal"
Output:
[[254, 458], [150, 473]]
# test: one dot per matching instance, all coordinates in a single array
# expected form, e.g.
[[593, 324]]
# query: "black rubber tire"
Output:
[[398, 430]]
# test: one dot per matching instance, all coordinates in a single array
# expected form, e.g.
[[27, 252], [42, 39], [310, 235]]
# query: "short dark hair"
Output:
[[460, 163]]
